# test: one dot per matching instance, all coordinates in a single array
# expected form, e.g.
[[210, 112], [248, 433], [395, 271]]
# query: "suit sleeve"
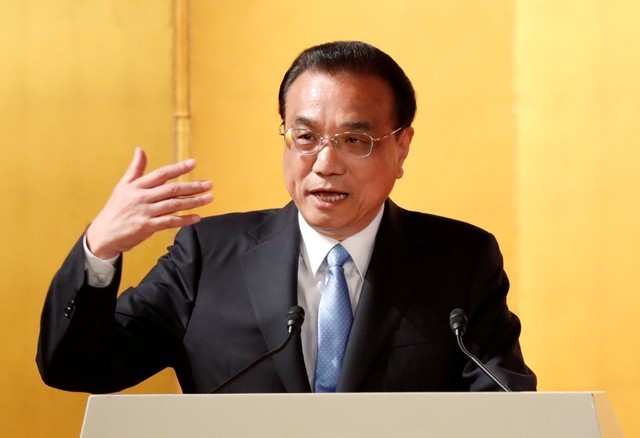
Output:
[[493, 331], [92, 341]]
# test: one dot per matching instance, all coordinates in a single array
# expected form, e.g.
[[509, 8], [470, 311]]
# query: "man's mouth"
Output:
[[329, 196]]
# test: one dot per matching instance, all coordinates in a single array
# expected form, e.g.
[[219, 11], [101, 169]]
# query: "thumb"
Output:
[[136, 167]]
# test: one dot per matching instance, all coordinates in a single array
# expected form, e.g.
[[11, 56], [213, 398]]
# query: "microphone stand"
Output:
[[295, 318]]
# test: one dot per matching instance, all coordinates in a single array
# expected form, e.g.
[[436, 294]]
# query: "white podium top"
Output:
[[532, 414]]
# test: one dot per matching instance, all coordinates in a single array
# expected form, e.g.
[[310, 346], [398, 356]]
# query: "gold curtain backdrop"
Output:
[[527, 126]]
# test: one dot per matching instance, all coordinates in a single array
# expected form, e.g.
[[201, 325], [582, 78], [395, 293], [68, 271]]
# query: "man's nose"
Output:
[[330, 142], [328, 159]]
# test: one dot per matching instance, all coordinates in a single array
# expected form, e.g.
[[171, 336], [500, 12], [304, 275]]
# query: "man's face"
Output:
[[337, 195]]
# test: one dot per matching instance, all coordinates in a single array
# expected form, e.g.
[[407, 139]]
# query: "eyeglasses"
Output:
[[349, 144]]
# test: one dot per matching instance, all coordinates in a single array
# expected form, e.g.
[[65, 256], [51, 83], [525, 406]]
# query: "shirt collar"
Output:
[[316, 246]]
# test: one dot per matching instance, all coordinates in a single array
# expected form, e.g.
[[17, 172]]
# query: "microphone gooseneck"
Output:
[[458, 322], [295, 318]]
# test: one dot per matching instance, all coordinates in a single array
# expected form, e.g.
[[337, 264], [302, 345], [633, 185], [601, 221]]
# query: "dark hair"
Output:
[[359, 58]]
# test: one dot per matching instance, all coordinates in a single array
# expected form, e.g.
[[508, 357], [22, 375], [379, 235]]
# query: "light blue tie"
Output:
[[334, 322]]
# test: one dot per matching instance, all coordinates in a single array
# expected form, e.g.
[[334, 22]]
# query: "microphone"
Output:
[[458, 323], [295, 318]]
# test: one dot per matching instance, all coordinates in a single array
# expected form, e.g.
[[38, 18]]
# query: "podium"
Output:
[[523, 414]]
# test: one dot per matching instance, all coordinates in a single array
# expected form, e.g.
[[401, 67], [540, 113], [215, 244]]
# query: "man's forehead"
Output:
[[358, 101], [310, 122], [341, 74]]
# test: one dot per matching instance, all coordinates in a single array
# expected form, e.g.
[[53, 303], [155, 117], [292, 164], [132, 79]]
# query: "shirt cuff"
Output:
[[99, 272]]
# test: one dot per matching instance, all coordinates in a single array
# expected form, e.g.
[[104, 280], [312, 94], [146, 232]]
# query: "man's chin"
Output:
[[328, 226]]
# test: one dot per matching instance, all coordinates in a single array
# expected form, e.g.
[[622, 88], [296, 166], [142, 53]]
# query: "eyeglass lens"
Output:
[[349, 143]]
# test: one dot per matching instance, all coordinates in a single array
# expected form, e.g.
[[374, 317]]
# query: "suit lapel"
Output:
[[270, 275], [386, 292]]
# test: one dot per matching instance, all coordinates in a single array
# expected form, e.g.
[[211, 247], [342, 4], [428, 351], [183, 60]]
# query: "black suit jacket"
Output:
[[218, 298]]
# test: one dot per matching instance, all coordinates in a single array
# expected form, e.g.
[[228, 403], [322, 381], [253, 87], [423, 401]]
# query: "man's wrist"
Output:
[[100, 272]]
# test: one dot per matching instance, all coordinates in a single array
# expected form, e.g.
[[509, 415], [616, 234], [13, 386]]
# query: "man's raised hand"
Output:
[[142, 204]]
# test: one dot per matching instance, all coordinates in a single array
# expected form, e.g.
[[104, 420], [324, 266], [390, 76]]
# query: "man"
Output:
[[377, 282]]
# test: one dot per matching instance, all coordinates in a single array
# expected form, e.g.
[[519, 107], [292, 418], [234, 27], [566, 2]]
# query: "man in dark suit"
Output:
[[377, 281]]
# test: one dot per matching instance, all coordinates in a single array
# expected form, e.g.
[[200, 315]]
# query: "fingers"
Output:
[[165, 173], [167, 222], [136, 167], [176, 190], [161, 202], [142, 204], [174, 205], [154, 197]]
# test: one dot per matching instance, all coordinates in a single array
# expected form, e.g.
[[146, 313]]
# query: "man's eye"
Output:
[[353, 139], [305, 138]]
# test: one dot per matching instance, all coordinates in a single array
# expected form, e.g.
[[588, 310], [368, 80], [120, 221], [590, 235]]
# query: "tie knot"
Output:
[[338, 256]]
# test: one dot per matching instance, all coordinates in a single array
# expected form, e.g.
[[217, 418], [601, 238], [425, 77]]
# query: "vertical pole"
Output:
[[182, 111]]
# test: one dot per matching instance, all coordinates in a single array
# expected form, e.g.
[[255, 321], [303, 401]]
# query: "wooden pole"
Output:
[[182, 110]]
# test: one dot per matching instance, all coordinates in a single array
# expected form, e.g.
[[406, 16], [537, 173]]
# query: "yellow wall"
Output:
[[527, 126], [579, 196], [81, 84]]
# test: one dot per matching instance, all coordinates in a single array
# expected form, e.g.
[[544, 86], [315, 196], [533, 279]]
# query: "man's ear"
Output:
[[404, 144]]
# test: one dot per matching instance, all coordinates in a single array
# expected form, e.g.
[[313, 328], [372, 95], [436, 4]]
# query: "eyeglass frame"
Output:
[[321, 140]]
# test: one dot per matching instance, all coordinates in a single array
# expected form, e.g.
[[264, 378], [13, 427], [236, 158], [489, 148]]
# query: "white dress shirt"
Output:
[[99, 272], [313, 275]]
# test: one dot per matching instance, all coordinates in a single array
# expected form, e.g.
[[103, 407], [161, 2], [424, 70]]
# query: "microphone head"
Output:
[[458, 321], [295, 318]]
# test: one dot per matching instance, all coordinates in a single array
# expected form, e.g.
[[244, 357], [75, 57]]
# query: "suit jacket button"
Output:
[[70, 308]]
